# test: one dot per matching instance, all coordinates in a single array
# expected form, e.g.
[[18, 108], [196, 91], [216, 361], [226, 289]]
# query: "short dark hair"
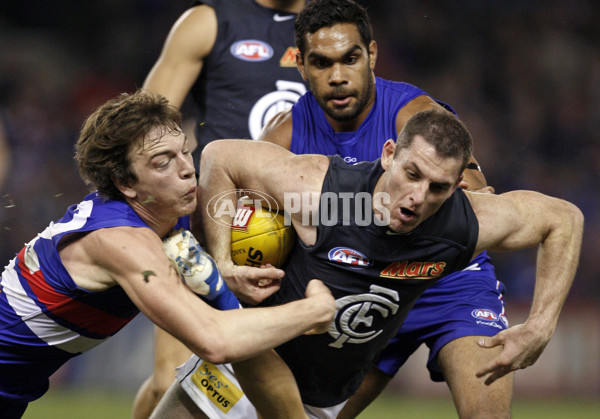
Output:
[[318, 14], [443, 130], [110, 132]]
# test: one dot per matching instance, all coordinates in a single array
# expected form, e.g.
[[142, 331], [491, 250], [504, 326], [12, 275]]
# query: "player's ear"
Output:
[[300, 65], [460, 179], [372, 55], [125, 189], [387, 154]]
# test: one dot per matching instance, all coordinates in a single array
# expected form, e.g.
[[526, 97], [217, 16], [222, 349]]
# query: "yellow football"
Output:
[[259, 236]]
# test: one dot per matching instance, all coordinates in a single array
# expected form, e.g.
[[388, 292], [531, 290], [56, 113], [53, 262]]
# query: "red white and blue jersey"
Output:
[[45, 318]]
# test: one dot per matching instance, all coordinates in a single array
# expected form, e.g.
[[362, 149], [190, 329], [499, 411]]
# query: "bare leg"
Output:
[[459, 360], [269, 384], [169, 353], [371, 387], [176, 404]]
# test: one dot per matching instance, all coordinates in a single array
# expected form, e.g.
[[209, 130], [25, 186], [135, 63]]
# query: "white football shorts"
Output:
[[217, 392]]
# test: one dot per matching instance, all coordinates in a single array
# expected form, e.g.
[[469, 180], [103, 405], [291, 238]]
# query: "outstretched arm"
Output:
[[135, 259], [514, 221]]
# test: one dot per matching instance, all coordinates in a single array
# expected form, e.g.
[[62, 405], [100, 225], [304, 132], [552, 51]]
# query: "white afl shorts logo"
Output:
[[484, 314]]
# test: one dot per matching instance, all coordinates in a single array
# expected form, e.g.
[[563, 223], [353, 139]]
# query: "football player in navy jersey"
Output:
[[351, 112], [236, 59], [423, 228], [127, 248]]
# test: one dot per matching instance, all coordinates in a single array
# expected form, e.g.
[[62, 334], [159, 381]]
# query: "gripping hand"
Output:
[[197, 269]]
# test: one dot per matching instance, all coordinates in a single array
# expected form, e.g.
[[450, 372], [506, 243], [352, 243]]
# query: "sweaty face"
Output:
[[418, 182], [338, 68], [166, 185]]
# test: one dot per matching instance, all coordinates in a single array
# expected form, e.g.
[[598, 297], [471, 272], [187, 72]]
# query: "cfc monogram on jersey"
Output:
[[272, 103], [359, 317]]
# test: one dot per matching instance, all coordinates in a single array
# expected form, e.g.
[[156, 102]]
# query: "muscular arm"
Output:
[[517, 220], [228, 165], [189, 42], [134, 258]]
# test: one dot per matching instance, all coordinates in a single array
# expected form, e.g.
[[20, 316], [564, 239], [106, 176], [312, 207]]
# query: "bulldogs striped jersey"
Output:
[[45, 318]]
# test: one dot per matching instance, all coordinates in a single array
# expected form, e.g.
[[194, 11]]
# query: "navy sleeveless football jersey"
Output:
[[375, 275], [250, 74]]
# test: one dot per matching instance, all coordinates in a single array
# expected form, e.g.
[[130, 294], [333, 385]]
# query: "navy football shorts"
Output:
[[466, 303]]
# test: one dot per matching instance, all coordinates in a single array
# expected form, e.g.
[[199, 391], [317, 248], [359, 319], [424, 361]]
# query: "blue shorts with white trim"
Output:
[[465, 303]]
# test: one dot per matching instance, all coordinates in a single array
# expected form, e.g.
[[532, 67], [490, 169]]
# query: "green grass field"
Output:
[[58, 404]]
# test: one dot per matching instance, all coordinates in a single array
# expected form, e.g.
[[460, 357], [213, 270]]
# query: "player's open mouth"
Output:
[[406, 214]]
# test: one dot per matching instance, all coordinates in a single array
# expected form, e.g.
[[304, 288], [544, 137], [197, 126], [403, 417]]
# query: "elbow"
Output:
[[216, 353], [580, 218], [576, 216], [208, 153], [219, 352], [215, 358], [569, 222]]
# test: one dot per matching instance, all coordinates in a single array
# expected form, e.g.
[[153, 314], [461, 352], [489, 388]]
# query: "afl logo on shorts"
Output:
[[251, 50], [484, 314], [348, 257]]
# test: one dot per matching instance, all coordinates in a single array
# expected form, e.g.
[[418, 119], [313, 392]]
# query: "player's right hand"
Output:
[[521, 345], [324, 303], [196, 267], [251, 284]]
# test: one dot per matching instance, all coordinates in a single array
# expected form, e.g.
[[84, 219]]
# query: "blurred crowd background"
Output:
[[524, 75]]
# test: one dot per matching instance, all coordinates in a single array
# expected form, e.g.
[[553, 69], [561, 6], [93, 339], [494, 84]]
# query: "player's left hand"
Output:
[[522, 346], [251, 284]]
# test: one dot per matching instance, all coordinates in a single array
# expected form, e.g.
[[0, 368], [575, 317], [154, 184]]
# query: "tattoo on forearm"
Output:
[[147, 275]]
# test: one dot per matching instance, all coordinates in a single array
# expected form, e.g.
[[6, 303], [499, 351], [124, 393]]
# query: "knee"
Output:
[[487, 406], [484, 414], [160, 383]]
